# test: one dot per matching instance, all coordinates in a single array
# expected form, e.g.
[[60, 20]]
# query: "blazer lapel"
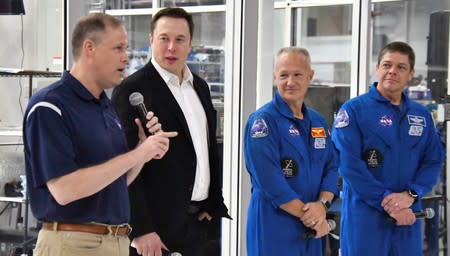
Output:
[[166, 99]]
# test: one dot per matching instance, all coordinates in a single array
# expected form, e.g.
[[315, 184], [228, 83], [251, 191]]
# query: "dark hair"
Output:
[[401, 47], [91, 26], [173, 12]]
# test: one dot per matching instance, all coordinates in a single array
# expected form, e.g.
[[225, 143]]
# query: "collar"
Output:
[[374, 93], [78, 88], [170, 77], [284, 109]]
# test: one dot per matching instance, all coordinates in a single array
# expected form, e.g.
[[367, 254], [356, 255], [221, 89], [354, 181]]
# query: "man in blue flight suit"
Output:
[[292, 163], [390, 157]]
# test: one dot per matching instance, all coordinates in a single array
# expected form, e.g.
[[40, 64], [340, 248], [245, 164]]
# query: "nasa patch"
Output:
[[293, 131], [386, 120], [259, 129]]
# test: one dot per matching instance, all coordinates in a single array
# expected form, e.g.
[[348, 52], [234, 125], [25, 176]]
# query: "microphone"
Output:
[[137, 101], [166, 253], [427, 213], [311, 233]]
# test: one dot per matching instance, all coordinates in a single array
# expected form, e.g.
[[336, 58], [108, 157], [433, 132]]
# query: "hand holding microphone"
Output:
[[408, 217], [148, 121], [158, 144], [312, 233]]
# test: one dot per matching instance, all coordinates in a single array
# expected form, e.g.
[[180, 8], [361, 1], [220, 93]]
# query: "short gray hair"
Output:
[[296, 50]]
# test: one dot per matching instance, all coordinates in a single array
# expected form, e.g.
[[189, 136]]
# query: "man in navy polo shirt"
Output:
[[77, 160]]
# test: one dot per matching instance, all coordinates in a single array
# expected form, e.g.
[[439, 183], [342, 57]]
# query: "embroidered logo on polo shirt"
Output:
[[116, 120]]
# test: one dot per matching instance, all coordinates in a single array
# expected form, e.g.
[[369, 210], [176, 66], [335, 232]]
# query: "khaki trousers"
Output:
[[67, 243]]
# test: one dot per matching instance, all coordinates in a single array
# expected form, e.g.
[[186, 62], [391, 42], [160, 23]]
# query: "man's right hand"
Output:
[[149, 245], [155, 146], [404, 217], [322, 228]]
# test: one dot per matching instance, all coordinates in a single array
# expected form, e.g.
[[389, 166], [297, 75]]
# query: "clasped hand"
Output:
[[314, 218], [397, 205]]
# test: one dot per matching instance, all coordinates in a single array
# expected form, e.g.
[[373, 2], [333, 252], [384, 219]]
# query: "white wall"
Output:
[[33, 41]]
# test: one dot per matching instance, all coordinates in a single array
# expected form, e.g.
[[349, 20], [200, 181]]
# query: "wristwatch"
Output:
[[413, 194], [325, 203]]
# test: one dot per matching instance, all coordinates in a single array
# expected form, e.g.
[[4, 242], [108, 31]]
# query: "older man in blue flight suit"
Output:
[[390, 157], [292, 163]]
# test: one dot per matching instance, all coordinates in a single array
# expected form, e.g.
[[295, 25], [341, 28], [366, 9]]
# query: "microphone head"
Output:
[[429, 213], [331, 224], [136, 98]]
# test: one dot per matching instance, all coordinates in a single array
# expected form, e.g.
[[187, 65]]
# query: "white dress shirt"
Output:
[[195, 116]]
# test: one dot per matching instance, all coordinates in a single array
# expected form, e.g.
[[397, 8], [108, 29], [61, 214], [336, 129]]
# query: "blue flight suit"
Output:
[[287, 158], [383, 149]]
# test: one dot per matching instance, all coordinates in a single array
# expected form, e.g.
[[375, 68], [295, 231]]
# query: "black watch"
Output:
[[413, 194], [325, 203]]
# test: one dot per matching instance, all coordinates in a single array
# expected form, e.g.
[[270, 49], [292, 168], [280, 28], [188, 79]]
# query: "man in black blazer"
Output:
[[176, 202]]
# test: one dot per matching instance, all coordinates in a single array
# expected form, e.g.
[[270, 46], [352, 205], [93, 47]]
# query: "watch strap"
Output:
[[413, 194], [325, 203]]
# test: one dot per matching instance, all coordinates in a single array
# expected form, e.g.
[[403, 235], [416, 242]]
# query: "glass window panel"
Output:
[[167, 3], [410, 21], [279, 23], [128, 4], [326, 31]]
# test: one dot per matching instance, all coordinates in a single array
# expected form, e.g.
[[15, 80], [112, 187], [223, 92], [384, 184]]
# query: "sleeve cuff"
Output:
[[284, 198]]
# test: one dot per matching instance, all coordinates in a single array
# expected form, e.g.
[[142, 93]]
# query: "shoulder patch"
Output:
[[342, 119], [259, 129]]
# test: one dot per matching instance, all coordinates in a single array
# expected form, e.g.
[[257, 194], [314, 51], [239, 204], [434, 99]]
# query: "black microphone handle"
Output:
[[311, 233], [427, 213], [420, 215], [167, 253], [308, 234], [142, 113]]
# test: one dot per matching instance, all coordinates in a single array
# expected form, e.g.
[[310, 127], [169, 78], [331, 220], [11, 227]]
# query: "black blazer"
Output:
[[160, 195]]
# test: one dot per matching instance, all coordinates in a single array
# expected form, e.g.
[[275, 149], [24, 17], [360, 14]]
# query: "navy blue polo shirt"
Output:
[[66, 128]]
